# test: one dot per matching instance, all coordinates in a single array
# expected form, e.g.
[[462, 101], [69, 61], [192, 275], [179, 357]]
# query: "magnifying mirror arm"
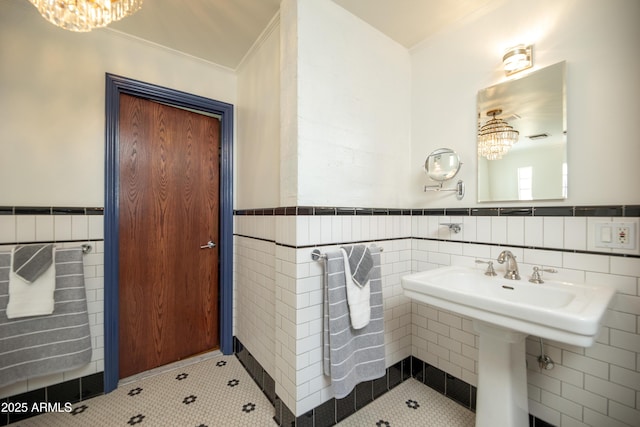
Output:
[[438, 187]]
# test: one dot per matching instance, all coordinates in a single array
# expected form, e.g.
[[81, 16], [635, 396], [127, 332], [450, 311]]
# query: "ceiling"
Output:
[[223, 31]]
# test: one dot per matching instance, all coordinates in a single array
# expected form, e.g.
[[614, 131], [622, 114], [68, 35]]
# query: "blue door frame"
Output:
[[116, 85]]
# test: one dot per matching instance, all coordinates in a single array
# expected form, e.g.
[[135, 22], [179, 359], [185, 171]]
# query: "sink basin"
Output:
[[556, 310], [504, 312]]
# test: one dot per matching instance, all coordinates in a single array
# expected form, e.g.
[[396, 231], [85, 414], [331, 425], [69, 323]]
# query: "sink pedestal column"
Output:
[[502, 377]]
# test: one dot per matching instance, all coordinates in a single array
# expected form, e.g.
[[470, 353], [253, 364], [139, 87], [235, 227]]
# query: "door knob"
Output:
[[209, 245]]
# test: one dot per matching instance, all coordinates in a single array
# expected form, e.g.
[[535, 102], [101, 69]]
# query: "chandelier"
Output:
[[496, 137], [85, 15]]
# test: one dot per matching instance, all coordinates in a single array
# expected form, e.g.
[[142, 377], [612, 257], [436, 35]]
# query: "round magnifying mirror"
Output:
[[442, 164]]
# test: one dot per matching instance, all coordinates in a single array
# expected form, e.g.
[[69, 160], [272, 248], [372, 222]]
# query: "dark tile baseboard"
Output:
[[71, 391], [335, 410]]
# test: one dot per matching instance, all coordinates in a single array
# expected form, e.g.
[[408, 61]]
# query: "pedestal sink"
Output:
[[504, 312]]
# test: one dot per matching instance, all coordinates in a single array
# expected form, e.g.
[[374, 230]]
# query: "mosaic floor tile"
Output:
[[196, 395], [411, 404], [219, 391]]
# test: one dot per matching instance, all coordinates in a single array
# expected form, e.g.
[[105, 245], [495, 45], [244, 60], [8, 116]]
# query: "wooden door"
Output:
[[168, 209]]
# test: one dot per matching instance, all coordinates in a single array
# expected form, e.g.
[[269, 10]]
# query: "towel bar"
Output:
[[86, 248], [316, 254]]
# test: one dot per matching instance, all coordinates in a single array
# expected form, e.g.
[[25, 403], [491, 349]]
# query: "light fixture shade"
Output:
[[85, 15], [496, 137], [517, 58]]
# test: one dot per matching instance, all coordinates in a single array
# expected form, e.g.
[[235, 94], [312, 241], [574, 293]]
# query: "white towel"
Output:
[[358, 297], [31, 299]]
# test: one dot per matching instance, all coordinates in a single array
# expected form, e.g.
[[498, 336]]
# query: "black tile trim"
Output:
[[49, 210], [67, 211], [335, 410], [6, 210], [255, 238], [349, 242], [433, 212], [502, 245], [457, 212], [631, 210], [324, 211], [597, 211], [94, 211], [553, 211], [485, 211], [537, 422], [355, 242], [19, 210], [39, 242], [516, 211], [28, 398], [70, 391], [260, 376]]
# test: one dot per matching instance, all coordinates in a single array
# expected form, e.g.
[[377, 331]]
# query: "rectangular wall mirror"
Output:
[[534, 167]]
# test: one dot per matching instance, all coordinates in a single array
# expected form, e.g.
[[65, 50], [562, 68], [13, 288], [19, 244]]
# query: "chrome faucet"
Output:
[[512, 266]]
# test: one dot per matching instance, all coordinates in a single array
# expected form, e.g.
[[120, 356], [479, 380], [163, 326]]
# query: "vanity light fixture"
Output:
[[496, 137], [517, 58], [85, 15]]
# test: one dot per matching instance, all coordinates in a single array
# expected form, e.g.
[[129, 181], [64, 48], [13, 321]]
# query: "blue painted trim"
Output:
[[116, 85]]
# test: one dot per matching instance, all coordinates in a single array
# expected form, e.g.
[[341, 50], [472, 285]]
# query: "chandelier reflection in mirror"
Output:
[[496, 137], [85, 15]]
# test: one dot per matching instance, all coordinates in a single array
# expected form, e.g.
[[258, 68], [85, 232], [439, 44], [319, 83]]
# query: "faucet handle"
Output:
[[536, 277], [490, 270]]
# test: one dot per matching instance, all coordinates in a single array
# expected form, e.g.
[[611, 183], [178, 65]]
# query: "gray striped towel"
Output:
[[40, 345], [351, 356], [30, 261], [361, 263]]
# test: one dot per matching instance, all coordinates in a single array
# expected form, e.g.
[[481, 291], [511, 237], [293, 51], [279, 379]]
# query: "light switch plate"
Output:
[[616, 234]]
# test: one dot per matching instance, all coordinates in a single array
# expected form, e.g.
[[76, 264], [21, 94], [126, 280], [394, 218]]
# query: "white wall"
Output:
[[289, 103], [353, 116], [257, 158], [603, 91], [257, 162], [52, 106], [52, 85]]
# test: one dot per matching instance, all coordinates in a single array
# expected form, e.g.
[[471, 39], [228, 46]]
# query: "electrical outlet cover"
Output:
[[616, 235]]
